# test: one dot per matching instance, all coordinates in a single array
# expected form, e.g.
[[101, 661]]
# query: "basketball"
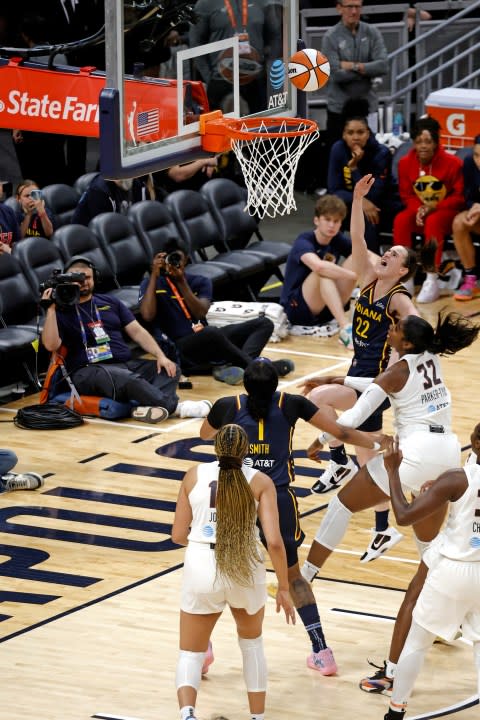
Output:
[[308, 70]]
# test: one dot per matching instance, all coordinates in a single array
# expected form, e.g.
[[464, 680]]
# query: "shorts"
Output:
[[289, 519], [425, 456], [298, 312], [203, 593], [449, 597], [374, 423]]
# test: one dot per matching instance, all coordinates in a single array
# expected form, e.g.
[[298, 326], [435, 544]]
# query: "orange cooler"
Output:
[[458, 112]]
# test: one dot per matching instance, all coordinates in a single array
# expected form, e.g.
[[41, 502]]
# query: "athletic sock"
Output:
[[258, 716], [339, 455], [186, 712], [381, 520], [311, 619]]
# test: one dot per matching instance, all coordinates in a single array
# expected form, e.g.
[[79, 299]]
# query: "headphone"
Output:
[[86, 261]]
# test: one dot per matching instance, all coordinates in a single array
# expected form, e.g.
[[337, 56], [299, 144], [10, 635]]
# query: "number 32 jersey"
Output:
[[424, 399], [371, 321]]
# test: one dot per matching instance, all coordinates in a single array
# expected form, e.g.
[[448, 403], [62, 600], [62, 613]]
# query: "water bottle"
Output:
[[397, 128]]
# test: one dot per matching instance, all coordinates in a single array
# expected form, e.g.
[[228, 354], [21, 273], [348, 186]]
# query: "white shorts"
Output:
[[425, 456], [449, 597], [203, 593]]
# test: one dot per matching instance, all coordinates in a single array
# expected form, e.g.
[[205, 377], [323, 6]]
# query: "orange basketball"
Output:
[[308, 70]]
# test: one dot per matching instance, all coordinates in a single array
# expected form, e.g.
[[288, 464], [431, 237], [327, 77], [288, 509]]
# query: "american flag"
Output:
[[148, 122]]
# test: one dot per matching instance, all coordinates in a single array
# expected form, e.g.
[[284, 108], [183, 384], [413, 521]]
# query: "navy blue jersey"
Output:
[[270, 439], [170, 317], [371, 321], [296, 271]]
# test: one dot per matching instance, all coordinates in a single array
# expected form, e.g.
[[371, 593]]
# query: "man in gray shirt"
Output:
[[357, 54]]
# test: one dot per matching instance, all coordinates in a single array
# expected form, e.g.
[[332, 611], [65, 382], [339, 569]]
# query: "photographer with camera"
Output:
[[176, 303], [34, 218], [98, 360]]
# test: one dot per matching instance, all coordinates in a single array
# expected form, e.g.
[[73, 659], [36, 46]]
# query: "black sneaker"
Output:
[[333, 476]]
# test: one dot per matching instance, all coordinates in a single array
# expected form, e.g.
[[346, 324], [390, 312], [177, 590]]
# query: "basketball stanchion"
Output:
[[268, 151]]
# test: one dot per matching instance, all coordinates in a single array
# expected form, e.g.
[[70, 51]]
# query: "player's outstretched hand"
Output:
[[392, 456], [285, 601]]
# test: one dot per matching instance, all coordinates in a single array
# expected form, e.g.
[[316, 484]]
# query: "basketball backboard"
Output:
[[234, 59]]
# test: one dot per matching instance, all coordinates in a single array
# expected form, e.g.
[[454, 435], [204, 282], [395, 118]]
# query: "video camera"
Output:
[[65, 292]]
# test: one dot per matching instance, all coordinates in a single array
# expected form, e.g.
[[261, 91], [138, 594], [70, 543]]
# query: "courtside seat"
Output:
[[155, 227], [82, 182], [62, 200], [199, 229], [227, 202], [38, 257]]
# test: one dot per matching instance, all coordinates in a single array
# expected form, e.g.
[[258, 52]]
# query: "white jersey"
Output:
[[424, 400], [460, 538], [202, 500]]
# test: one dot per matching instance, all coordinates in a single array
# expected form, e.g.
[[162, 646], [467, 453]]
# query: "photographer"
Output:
[[34, 218], [99, 361], [176, 302]]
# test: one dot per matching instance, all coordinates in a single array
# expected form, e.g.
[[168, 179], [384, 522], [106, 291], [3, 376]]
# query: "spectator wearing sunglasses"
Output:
[[431, 190]]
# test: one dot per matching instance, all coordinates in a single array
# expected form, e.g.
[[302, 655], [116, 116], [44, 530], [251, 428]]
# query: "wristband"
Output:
[[376, 446], [324, 438]]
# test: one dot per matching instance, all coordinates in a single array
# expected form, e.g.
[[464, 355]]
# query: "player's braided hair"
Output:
[[452, 333], [260, 381], [236, 549]]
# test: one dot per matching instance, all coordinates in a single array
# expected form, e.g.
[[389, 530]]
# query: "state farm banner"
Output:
[[67, 102]]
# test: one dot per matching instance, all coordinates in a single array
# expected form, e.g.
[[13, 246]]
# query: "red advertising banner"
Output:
[[67, 102]]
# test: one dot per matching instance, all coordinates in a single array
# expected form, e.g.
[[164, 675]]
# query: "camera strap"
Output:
[[196, 326]]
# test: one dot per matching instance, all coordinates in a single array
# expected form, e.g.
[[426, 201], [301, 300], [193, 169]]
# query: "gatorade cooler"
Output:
[[458, 112]]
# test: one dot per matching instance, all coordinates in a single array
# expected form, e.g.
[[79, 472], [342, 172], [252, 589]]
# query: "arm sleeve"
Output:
[[357, 383], [366, 404], [222, 412]]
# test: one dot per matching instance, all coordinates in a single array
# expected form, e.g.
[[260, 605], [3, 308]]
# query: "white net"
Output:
[[269, 165]]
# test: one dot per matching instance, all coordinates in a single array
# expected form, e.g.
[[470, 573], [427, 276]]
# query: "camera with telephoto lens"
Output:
[[174, 259], [65, 290]]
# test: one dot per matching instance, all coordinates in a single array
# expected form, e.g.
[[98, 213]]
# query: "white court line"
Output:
[[392, 558]]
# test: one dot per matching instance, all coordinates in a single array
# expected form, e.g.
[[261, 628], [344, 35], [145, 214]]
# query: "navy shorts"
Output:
[[290, 530], [299, 313], [375, 421]]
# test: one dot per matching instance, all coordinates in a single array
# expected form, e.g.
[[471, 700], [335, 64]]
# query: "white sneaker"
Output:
[[430, 290], [334, 475], [193, 409], [20, 481], [380, 542]]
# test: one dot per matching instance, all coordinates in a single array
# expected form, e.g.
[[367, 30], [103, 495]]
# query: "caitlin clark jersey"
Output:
[[460, 538], [203, 501], [424, 400], [371, 321]]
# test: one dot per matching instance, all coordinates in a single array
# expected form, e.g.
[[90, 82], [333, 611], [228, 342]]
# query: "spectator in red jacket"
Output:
[[431, 189]]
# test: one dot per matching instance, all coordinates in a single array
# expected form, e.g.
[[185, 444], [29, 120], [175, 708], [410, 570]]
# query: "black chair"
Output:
[[402, 150], [125, 251], [464, 152], [38, 258], [82, 182], [79, 240], [198, 228], [62, 200], [12, 203], [227, 202], [155, 227]]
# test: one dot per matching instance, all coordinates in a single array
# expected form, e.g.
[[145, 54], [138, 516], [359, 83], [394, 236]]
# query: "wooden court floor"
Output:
[[90, 578]]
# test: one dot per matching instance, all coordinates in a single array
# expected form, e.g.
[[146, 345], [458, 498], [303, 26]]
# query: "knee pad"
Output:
[[254, 664], [334, 524], [189, 669]]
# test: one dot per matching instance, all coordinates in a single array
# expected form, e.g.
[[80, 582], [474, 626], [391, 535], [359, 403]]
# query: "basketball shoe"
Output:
[[380, 542], [379, 682], [333, 476], [323, 661], [20, 481]]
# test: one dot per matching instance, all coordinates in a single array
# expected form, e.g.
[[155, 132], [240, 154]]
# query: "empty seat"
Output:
[[155, 227], [62, 200], [200, 230], [227, 202], [38, 257]]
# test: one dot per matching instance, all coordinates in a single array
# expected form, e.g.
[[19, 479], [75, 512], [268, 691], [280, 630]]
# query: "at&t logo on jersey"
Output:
[[208, 531]]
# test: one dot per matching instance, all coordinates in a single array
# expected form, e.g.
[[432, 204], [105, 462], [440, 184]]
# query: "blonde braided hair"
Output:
[[236, 548]]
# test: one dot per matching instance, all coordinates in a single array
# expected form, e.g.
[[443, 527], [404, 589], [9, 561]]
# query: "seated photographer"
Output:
[[176, 303], [98, 360], [34, 218]]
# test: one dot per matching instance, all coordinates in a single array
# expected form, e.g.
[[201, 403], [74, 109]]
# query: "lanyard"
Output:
[[179, 299], [82, 327], [231, 14]]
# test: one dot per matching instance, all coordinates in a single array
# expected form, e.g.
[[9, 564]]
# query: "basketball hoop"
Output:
[[268, 150]]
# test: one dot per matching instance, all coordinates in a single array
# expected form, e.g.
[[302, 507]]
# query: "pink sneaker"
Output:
[[208, 659], [323, 661], [468, 290]]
